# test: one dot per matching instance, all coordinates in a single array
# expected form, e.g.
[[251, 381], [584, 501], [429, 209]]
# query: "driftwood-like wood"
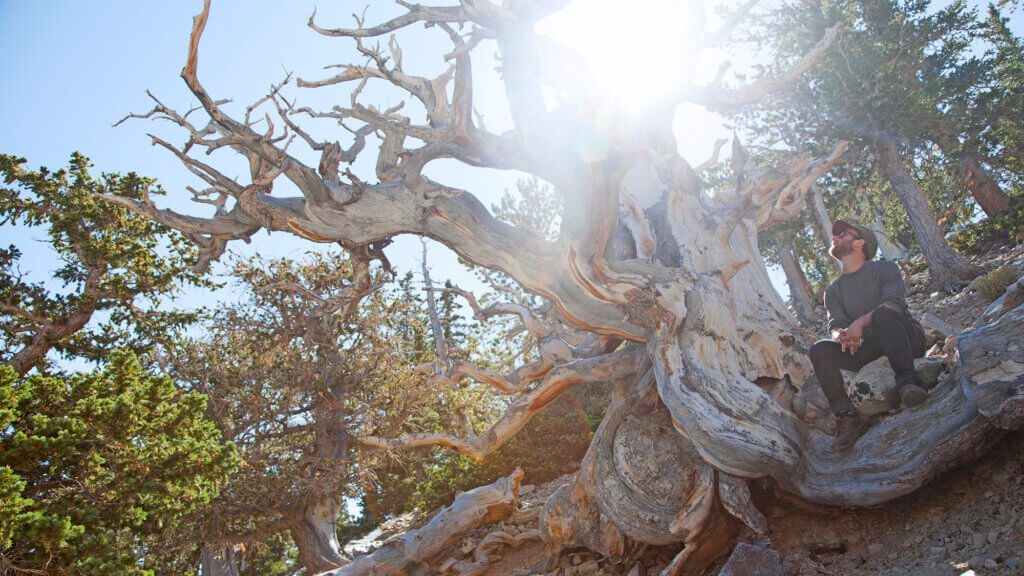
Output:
[[644, 256], [992, 369], [641, 482], [420, 552]]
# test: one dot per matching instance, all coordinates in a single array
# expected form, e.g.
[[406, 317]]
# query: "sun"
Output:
[[634, 52]]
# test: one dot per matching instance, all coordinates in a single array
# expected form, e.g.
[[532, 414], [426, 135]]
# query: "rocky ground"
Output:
[[968, 522]]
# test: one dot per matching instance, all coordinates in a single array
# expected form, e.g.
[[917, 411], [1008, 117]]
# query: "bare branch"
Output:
[[611, 366], [713, 97], [442, 364], [417, 13], [703, 166]]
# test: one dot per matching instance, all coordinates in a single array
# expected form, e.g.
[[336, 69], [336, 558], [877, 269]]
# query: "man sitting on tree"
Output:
[[868, 317]]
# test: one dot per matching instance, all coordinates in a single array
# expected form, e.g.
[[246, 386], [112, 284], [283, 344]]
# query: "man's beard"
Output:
[[837, 251]]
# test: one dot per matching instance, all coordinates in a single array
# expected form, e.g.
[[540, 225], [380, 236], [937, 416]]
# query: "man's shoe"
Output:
[[912, 395], [850, 428]]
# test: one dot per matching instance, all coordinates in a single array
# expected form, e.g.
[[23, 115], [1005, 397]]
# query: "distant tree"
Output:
[[1003, 134], [97, 469], [890, 83], [314, 358], [111, 260]]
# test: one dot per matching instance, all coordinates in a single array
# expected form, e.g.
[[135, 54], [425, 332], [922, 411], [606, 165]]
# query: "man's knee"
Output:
[[823, 351], [885, 317]]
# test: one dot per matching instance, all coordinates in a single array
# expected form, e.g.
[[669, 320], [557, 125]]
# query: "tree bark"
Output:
[[945, 265], [33, 353], [822, 223], [986, 191]]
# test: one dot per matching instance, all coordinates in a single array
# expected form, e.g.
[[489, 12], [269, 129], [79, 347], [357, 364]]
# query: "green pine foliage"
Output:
[[110, 261], [96, 468]]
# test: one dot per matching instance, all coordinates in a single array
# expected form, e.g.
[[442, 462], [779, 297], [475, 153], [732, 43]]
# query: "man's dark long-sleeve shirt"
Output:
[[872, 285]]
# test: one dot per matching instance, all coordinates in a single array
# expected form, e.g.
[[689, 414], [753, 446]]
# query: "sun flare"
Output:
[[632, 50]]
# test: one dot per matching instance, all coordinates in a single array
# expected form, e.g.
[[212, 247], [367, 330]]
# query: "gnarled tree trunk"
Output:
[[315, 533]]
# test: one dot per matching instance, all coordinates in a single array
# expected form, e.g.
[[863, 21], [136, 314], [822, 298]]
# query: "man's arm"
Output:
[[894, 289], [838, 319]]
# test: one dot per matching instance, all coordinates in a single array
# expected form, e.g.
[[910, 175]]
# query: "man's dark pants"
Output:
[[891, 334]]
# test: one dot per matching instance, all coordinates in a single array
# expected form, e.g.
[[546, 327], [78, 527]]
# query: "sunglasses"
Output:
[[850, 232]]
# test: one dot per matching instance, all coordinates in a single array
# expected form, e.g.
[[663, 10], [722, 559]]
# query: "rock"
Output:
[[1013, 297], [930, 369], [978, 540], [874, 548], [873, 388], [749, 560], [637, 570], [936, 328], [950, 344], [993, 535], [1012, 563], [527, 489], [990, 563]]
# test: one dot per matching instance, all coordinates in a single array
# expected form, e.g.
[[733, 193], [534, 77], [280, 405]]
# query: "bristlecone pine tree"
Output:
[[667, 280]]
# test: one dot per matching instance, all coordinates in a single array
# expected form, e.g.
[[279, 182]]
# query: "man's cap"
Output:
[[863, 232]]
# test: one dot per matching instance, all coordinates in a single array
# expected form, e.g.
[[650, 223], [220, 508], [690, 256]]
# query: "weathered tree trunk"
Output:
[[420, 552], [217, 560], [821, 223], [314, 531], [642, 484], [986, 191], [801, 295], [992, 369], [945, 266]]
